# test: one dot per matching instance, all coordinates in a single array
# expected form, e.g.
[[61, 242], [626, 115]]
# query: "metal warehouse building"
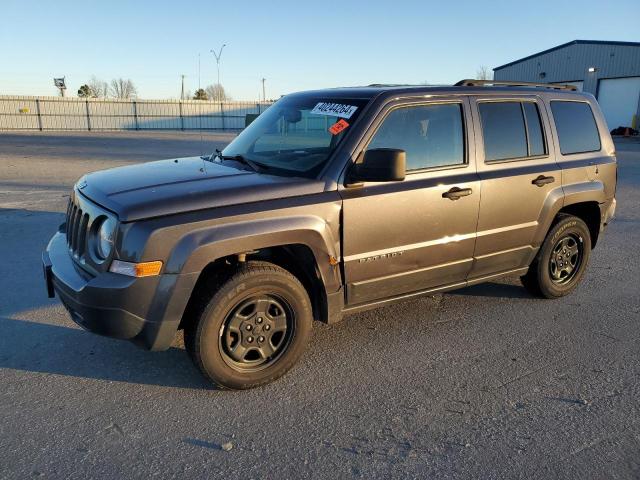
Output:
[[608, 70]]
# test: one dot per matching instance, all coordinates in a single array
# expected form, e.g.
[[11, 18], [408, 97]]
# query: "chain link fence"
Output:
[[57, 113]]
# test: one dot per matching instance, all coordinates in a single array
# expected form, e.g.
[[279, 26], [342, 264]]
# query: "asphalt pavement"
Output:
[[486, 382]]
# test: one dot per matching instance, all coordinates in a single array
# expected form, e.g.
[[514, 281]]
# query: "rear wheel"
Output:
[[253, 328], [562, 260]]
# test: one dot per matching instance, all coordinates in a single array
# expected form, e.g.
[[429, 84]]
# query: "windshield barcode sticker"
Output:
[[334, 109]]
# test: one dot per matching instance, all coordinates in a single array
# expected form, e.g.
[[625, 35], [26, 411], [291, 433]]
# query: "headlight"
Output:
[[106, 233]]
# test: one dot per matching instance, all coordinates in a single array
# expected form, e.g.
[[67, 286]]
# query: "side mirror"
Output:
[[380, 165]]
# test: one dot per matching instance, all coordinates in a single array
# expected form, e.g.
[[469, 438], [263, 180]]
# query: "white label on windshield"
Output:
[[334, 109]]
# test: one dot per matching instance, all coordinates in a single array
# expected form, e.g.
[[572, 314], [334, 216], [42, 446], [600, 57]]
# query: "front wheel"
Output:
[[562, 260], [253, 329]]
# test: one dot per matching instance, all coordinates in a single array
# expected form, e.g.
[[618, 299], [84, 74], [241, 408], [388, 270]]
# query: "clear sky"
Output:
[[295, 45]]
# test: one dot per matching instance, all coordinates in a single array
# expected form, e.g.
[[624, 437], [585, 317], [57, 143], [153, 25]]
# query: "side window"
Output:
[[432, 135], [511, 130], [576, 126], [534, 129]]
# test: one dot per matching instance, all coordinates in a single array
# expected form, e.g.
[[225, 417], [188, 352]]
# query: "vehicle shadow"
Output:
[[36, 334], [495, 290], [59, 350]]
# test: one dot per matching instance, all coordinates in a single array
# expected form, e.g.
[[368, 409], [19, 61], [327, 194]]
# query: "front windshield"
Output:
[[297, 134]]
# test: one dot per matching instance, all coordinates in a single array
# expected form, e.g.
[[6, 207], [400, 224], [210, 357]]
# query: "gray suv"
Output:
[[331, 202]]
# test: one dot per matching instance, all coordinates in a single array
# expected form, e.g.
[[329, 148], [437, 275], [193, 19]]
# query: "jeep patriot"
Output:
[[331, 202]]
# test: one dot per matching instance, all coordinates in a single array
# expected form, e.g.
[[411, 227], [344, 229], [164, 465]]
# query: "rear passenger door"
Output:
[[518, 176]]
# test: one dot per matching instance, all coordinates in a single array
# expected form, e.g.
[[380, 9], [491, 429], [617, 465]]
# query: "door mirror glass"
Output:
[[380, 165]]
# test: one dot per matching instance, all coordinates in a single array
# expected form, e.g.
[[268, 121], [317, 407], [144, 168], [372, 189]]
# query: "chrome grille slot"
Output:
[[70, 212], [75, 231], [82, 236]]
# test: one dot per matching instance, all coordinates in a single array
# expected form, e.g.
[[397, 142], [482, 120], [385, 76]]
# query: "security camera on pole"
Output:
[[60, 85]]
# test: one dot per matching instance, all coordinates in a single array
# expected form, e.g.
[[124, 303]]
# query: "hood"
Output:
[[180, 185]]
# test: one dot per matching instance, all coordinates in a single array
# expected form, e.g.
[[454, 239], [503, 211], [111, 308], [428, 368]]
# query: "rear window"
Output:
[[511, 130], [576, 126]]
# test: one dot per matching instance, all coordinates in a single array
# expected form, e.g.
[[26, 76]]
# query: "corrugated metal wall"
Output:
[[571, 63], [55, 113]]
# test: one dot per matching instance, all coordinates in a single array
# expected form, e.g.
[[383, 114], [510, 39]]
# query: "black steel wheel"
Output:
[[565, 258], [256, 332], [562, 259], [252, 329]]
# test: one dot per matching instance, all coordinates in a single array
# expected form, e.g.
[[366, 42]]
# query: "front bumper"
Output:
[[144, 310]]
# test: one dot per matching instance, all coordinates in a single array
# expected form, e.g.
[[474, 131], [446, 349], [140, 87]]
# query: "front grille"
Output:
[[81, 215], [77, 225]]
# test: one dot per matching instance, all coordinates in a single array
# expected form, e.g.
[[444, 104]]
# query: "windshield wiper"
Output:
[[256, 167]]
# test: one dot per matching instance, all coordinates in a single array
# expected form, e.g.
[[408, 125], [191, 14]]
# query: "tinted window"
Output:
[[503, 130], [576, 127], [432, 135], [534, 129]]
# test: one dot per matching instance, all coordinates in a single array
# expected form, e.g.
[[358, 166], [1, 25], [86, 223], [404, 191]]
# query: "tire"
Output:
[[557, 271], [252, 329]]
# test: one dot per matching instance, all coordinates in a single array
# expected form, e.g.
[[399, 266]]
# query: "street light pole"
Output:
[[218, 55], [264, 95]]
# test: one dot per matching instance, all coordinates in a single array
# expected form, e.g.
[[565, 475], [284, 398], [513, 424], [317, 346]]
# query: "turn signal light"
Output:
[[143, 269]]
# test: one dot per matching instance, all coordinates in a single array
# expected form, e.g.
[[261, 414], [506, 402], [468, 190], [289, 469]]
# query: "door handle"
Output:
[[455, 193], [541, 180]]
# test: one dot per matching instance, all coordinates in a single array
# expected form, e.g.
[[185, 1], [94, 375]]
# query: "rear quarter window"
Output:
[[576, 127]]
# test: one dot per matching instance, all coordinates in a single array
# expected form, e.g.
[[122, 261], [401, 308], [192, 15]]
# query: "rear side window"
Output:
[[534, 129], [503, 130], [511, 130], [576, 126]]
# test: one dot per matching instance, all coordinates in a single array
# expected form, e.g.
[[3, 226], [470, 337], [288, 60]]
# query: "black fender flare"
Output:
[[198, 248], [559, 198]]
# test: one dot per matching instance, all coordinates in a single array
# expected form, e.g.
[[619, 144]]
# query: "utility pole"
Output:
[[218, 55], [182, 89], [264, 95]]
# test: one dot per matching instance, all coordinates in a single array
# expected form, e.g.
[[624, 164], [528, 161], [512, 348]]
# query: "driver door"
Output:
[[405, 237]]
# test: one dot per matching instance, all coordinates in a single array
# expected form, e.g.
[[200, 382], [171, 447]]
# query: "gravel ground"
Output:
[[486, 382]]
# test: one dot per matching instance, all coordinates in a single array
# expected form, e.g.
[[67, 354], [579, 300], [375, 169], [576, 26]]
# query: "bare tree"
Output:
[[484, 73], [216, 92], [97, 88], [122, 88]]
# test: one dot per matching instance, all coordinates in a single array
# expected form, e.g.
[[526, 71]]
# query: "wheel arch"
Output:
[[589, 213], [582, 200], [297, 259]]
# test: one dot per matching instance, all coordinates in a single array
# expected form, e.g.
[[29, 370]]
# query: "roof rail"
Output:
[[390, 85], [475, 83]]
